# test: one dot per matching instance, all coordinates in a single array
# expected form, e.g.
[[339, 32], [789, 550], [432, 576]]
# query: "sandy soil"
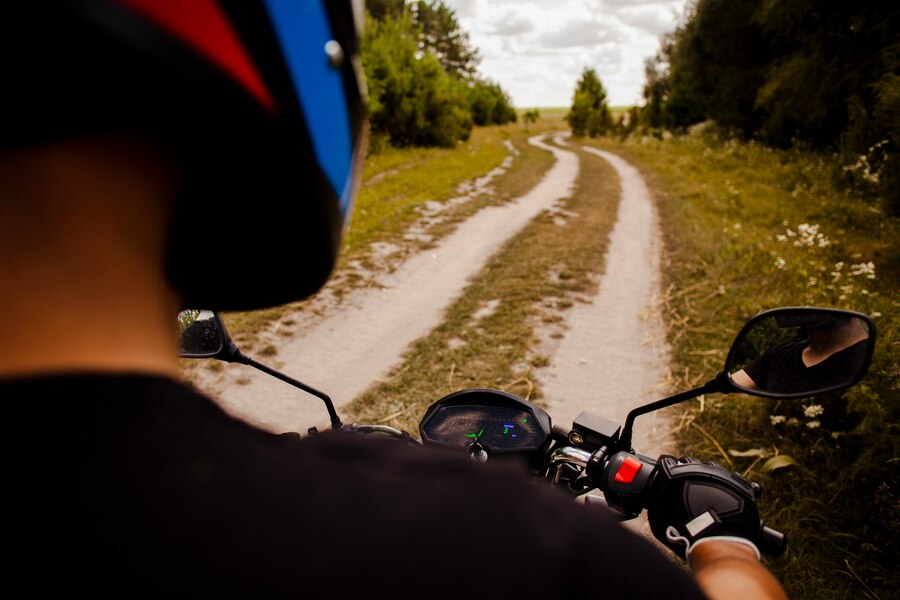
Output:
[[343, 352], [613, 355]]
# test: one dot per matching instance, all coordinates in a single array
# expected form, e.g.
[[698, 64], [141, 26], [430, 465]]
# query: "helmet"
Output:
[[259, 101]]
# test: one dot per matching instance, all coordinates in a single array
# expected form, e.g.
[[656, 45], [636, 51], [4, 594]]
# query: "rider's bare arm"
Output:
[[727, 570], [742, 379]]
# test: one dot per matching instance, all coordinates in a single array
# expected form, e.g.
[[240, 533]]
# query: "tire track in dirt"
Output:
[[351, 347], [614, 355]]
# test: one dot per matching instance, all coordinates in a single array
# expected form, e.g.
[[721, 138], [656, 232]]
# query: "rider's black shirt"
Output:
[[782, 370], [138, 486]]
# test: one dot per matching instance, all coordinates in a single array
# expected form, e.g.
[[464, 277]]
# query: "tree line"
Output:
[[422, 75], [822, 74]]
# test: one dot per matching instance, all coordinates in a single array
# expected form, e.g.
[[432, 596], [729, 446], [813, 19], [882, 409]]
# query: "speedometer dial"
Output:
[[498, 421]]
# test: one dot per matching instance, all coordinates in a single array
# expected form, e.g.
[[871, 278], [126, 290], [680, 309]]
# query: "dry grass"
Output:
[[725, 209]]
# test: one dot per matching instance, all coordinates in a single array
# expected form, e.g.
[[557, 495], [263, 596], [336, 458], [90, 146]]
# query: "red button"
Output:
[[628, 470]]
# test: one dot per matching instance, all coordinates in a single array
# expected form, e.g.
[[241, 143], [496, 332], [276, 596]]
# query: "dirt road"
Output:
[[612, 357], [344, 352]]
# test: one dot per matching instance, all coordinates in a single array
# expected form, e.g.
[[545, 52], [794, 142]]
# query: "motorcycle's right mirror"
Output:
[[800, 352]]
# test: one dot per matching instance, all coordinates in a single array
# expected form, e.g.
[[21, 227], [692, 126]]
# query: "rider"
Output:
[[150, 148]]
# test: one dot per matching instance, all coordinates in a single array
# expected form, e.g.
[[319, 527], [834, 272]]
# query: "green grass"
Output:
[[501, 350], [406, 178], [725, 207]]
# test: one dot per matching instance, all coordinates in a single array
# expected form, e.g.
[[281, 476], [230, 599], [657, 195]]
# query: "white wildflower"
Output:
[[808, 235], [813, 410], [780, 263], [776, 419], [836, 274], [813, 424], [812, 282], [781, 238], [867, 269]]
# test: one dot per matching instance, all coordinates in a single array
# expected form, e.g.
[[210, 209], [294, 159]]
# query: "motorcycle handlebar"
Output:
[[619, 496], [772, 541]]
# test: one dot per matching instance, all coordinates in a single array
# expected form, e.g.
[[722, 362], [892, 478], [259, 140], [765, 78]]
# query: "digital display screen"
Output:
[[494, 427]]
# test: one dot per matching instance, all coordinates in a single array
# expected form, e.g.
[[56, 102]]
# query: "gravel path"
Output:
[[348, 349]]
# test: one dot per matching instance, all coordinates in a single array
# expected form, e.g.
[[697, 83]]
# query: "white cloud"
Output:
[[516, 26], [655, 20], [537, 49], [579, 34]]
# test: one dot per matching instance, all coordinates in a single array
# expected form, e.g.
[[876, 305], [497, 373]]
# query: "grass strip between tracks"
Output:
[[488, 337]]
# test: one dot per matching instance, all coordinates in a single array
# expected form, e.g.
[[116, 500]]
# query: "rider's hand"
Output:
[[690, 503]]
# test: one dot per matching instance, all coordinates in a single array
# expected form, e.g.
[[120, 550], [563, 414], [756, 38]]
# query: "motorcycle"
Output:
[[785, 353]]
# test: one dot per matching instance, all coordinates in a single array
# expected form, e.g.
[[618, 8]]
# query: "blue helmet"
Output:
[[260, 102]]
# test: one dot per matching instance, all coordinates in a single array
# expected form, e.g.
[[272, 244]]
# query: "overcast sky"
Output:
[[537, 49]]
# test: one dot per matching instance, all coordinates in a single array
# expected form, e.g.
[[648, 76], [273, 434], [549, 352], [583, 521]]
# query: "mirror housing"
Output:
[[799, 352], [202, 334], [844, 342]]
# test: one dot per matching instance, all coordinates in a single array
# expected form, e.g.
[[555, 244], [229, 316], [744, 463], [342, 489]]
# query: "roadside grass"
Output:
[[748, 228], [396, 184], [402, 179], [489, 335]]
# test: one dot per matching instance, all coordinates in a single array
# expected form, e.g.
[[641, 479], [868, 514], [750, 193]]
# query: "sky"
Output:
[[537, 49]]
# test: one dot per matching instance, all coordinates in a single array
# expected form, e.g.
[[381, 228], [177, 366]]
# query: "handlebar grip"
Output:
[[772, 541]]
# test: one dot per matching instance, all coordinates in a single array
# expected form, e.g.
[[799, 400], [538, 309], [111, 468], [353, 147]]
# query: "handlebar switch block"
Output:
[[625, 477]]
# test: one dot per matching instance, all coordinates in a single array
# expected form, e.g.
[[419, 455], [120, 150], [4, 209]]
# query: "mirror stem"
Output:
[[335, 420], [709, 387]]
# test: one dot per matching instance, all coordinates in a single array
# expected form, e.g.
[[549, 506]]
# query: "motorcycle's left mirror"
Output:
[[202, 334]]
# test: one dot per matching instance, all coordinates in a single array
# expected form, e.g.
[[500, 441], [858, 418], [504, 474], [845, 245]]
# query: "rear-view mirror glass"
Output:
[[200, 334], [800, 352]]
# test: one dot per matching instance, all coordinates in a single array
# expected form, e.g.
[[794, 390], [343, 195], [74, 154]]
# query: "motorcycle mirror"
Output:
[[800, 352], [786, 353], [202, 334]]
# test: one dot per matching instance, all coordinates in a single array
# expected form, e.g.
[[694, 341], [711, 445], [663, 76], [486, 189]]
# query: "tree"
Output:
[[656, 90], [442, 35], [385, 9], [421, 73], [489, 104], [823, 73], [412, 101], [589, 114]]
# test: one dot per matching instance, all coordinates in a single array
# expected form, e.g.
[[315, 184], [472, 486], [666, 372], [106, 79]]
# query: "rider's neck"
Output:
[[82, 230]]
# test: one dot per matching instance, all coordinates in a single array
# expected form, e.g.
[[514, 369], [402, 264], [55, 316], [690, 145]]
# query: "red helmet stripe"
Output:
[[202, 25]]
